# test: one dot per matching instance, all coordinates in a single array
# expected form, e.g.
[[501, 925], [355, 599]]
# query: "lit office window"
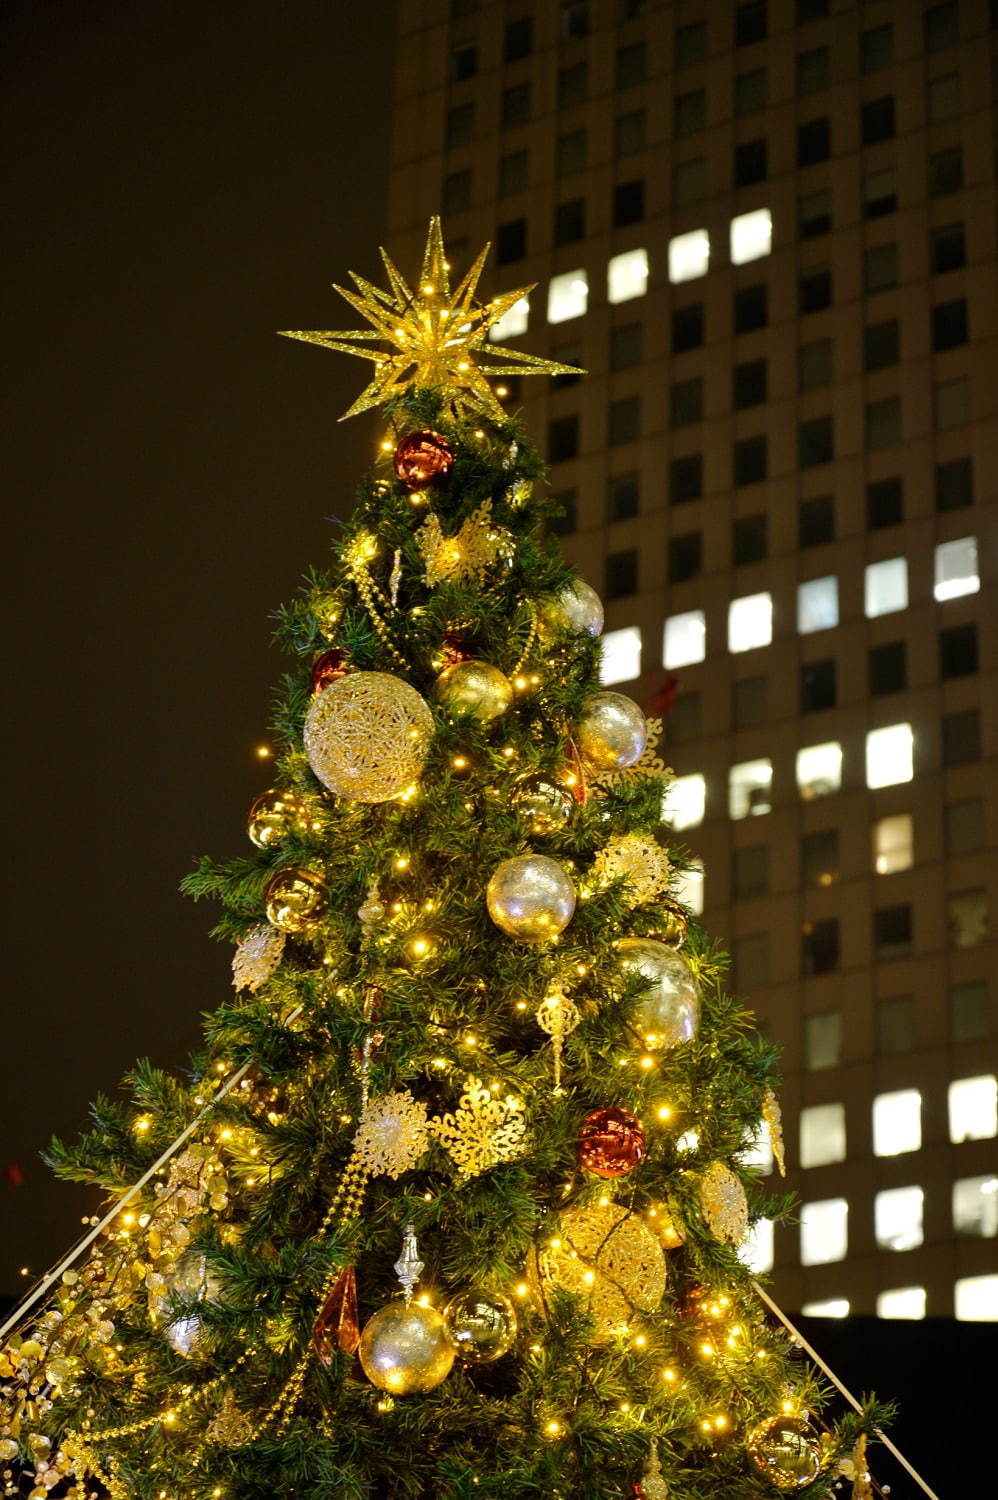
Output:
[[512, 323], [756, 1249], [817, 604], [751, 236], [885, 588], [685, 802], [621, 655], [975, 1206], [822, 1134], [897, 1216], [750, 789], [689, 888], [627, 275], [902, 1302], [685, 639], [956, 569], [750, 622], [973, 1108], [890, 754], [689, 255], [975, 1299], [758, 1154], [893, 840], [568, 296], [829, 1307], [824, 1231], [819, 770], [897, 1122]]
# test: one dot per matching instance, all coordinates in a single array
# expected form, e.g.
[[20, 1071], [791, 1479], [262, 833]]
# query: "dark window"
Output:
[[943, 98], [689, 181], [749, 537], [814, 214], [749, 460], [817, 686], [876, 48], [820, 946], [750, 162], [815, 290], [568, 354], [880, 193], [623, 497], [947, 249], [750, 22], [750, 872], [958, 651], [568, 519], [690, 112], [951, 403], [815, 442], [570, 222], [621, 574], [571, 153], [751, 307], [750, 92], [511, 241], [457, 191], [811, 10], [563, 439], [686, 478], [460, 125], [574, 18], [685, 559], [883, 422], [629, 133], [949, 324], [896, 1025], [749, 702], [814, 142], [463, 7], [816, 521], [819, 857], [463, 63], [814, 365], [625, 346], [518, 40], [812, 71], [686, 718], [515, 107], [687, 327], [632, 65], [876, 121], [961, 737], [946, 172], [880, 267], [686, 402], [631, 9], [971, 1011], [892, 932], [955, 484], [750, 384], [884, 502], [881, 344], [628, 203], [573, 85], [624, 421], [514, 172], [691, 43], [965, 826], [888, 668], [750, 960], [941, 25]]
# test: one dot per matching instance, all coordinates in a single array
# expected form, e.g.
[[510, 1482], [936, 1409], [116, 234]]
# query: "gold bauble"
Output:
[[612, 732], [577, 608], [405, 1348], [672, 922], [531, 898], [366, 736], [296, 899], [668, 1011], [481, 1325], [608, 1256], [544, 805], [274, 815], [785, 1449], [474, 690], [723, 1203]]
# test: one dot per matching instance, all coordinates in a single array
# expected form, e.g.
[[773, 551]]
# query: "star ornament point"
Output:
[[436, 336]]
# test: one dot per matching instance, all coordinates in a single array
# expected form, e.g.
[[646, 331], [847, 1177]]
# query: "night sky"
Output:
[[182, 179]]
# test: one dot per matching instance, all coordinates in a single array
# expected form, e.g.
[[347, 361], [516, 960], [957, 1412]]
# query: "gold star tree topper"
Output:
[[435, 335]]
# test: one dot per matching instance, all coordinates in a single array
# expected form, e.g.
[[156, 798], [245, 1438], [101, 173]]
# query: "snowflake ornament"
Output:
[[257, 956], [392, 1134], [484, 1130], [639, 860]]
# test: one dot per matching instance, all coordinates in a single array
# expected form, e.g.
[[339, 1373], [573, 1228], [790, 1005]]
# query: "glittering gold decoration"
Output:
[[486, 1128], [231, 1427], [723, 1203], [636, 858], [653, 1485], [610, 1257], [648, 764], [257, 956], [558, 1016], [773, 1116], [392, 1134], [467, 556], [434, 334], [857, 1469], [785, 1450], [405, 1348], [366, 736]]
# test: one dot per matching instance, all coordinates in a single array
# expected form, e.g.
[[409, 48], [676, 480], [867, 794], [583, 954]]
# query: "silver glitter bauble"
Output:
[[668, 1011], [474, 690], [531, 898], [366, 736], [544, 805], [405, 1348], [481, 1325], [612, 732], [577, 608]]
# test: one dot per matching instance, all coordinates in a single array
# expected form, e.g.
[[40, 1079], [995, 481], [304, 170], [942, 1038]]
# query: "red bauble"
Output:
[[423, 458], [611, 1143], [454, 650], [328, 667]]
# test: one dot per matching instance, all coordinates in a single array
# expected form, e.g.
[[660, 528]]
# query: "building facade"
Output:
[[767, 231]]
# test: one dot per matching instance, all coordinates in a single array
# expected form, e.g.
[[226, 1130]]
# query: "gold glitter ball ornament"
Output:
[[481, 1325], [612, 732], [474, 690], [668, 1010], [723, 1203], [531, 898], [367, 735], [608, 1256], [785, 1450], [636, 858], [296, 900], [577, 609], [257, 956], [545, 806], [274, 816], [405, 1348]]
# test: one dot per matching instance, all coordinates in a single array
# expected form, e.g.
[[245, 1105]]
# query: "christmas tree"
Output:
[[450, 1204]]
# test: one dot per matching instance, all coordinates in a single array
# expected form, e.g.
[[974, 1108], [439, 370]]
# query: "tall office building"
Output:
[[768, 233]]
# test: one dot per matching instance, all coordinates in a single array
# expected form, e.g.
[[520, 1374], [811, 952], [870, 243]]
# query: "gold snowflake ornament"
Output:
[[639, 860], [435, 335], [485, 1129], [392, 1134], [467, 555]]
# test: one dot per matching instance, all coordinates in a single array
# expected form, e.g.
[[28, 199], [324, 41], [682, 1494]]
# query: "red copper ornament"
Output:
[[423, 458], [326, 668], [454, 650], [611, 1143], [337, 1326]]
